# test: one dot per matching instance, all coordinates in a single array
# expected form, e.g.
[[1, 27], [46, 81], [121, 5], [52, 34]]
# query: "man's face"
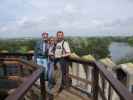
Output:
[[45, 37], [60, 36]]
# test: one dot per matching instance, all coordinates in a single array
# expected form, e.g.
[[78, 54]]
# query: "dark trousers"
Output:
[[65, 70]]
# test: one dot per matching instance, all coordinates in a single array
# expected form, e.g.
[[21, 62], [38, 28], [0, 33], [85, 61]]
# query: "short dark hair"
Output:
[[60, 32]]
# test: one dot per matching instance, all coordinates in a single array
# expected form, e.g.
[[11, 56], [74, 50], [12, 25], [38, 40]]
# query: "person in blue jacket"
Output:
[[41, 52]]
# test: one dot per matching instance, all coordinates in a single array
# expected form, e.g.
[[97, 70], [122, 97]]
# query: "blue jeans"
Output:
[[43, 62], [50, 73]]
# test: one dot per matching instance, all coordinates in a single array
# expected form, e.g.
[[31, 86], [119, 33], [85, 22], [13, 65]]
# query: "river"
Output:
[[120, 50]]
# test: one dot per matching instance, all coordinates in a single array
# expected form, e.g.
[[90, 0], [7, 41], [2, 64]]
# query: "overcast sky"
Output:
[[27, 18]]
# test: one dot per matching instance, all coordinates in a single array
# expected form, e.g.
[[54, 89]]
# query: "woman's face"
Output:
[[52, 41]]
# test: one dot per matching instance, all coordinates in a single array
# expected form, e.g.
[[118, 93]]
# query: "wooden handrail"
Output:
[[16, 54], [30, 65], [38, 72], [8, 59], [80, 61], [25, 86], [121, 90], [98, 69]]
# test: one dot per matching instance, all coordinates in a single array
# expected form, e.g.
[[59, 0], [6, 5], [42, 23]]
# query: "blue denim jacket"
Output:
[[39, 49]]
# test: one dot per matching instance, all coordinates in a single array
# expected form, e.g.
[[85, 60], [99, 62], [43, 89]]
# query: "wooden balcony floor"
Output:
[[71, 94]]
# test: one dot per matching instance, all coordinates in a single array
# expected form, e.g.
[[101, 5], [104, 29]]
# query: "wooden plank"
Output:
[[95, 78], [79, 94], [80, 79], [17, 54], [42, 86], [70, 94], [102, 94], [109, 93]]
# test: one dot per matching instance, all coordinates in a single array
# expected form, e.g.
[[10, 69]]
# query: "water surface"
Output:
[[120, 50]]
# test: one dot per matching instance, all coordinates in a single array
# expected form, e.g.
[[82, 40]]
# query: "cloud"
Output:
[[74, 17]]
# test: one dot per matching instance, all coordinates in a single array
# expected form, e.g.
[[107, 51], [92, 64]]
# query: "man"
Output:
[[62, 50], [41, 52]]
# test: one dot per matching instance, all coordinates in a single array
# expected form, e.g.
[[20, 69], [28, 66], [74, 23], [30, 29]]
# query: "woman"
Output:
[[51, 62]]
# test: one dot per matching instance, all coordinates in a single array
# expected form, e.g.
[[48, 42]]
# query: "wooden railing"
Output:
[[28, 81], [104, 85], [27, 56]]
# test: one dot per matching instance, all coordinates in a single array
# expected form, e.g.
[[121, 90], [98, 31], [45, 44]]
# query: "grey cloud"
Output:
[[90, 17]]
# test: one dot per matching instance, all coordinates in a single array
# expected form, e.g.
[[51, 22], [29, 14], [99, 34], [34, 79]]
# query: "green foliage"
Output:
[[16, 45], [98, 47], [130, 41], [125, 60]]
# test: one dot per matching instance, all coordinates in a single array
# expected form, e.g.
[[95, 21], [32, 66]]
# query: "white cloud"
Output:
[[3, 29]]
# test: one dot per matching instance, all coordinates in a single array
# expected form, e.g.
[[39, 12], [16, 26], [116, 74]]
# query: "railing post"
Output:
[[4, 69], [110, 93], [95, 78], [21, 70], [29, 57], [42, 86]]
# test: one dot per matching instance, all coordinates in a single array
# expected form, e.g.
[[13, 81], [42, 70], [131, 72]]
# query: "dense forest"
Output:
[[97, 46]]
